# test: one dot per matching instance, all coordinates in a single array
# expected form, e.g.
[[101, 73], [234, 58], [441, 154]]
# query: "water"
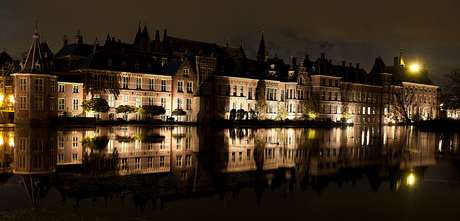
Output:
[[201, 173]]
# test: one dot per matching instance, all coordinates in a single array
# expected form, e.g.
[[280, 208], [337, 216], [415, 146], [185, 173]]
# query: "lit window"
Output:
[[61, 88], [75, 104], [162, 161], [111, 100], [189, 87], [75, 89], [151, 84], [125, 82], [139, 83], [38, 85], [23, 103], [163, 85], [178, 161], [23, 84], [180, 86], [186, 74]]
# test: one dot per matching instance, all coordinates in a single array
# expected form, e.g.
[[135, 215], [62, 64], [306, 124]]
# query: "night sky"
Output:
[[355, 31]]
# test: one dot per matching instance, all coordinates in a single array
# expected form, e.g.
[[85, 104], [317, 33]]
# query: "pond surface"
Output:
[[202, 173]]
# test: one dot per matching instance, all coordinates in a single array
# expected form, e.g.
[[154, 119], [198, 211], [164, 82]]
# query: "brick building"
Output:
[[210, 81]]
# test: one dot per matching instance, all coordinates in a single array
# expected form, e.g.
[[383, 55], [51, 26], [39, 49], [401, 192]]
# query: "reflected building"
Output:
[[167, 163], [34, 159]]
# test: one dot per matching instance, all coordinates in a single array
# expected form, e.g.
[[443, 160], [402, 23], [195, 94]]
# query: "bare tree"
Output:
[[454, 81], [402, 100]]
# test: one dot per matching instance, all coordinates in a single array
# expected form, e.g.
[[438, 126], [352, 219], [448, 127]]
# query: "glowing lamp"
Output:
[[1, 97], [12, 99], [414, 67], [411, 180]]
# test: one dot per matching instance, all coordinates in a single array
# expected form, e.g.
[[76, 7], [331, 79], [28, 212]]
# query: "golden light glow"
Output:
[[414, 67], [411, 180], [1, 97], [11, 99], [11, 142]]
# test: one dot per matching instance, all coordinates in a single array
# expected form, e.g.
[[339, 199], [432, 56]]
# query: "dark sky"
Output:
[[355, 30]]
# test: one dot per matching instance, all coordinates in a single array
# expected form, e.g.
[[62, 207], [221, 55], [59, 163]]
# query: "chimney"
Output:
[[307, 57], [293, 61], [323, 55], [395, 61], [330, 61], [357, 65], [78, 38], [157, 35], [165, 34], [343, 63], [351, 64]]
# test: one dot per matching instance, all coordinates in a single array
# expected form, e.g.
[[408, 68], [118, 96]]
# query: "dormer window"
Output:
[[136, 66], [186, 73], [109, 63], [123, 64], [37, 66]]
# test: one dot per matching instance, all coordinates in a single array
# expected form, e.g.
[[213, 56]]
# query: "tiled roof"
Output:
[[404, 74], [35, 61], [100, 61], [171, 68], [190, 47], [83, 50]]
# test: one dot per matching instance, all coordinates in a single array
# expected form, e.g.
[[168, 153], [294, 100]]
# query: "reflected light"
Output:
[[12, 99], [411, 180], [349, 121], [1, 97], [414, 67], [11, 142], [1, 140]]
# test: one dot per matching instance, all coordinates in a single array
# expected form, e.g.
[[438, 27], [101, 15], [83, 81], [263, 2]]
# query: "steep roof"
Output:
[[171, 68], [190, 47], [379, 66], [262, 53], [81, 50], [35, 61], [404, 74], [100, 60], [4, 57]]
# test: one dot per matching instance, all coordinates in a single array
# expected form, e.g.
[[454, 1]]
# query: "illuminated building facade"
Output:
[[210, 82]]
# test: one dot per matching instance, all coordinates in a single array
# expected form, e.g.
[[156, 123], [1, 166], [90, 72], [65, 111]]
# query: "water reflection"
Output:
[[162, 164]]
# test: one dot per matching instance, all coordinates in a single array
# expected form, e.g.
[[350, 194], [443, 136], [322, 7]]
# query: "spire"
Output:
[[145, 33], [78, 37], [137, 39], [35, 61], [65, 40], [228, 40], [262, 53], [36, 25], [401, 56], [108, 40]]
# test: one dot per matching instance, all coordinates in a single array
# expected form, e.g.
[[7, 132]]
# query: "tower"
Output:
[[35, 88], [401, 57], [262, 53]]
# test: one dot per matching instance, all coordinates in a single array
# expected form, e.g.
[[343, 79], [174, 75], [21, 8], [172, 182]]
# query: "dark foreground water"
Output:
[[199, 173]]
